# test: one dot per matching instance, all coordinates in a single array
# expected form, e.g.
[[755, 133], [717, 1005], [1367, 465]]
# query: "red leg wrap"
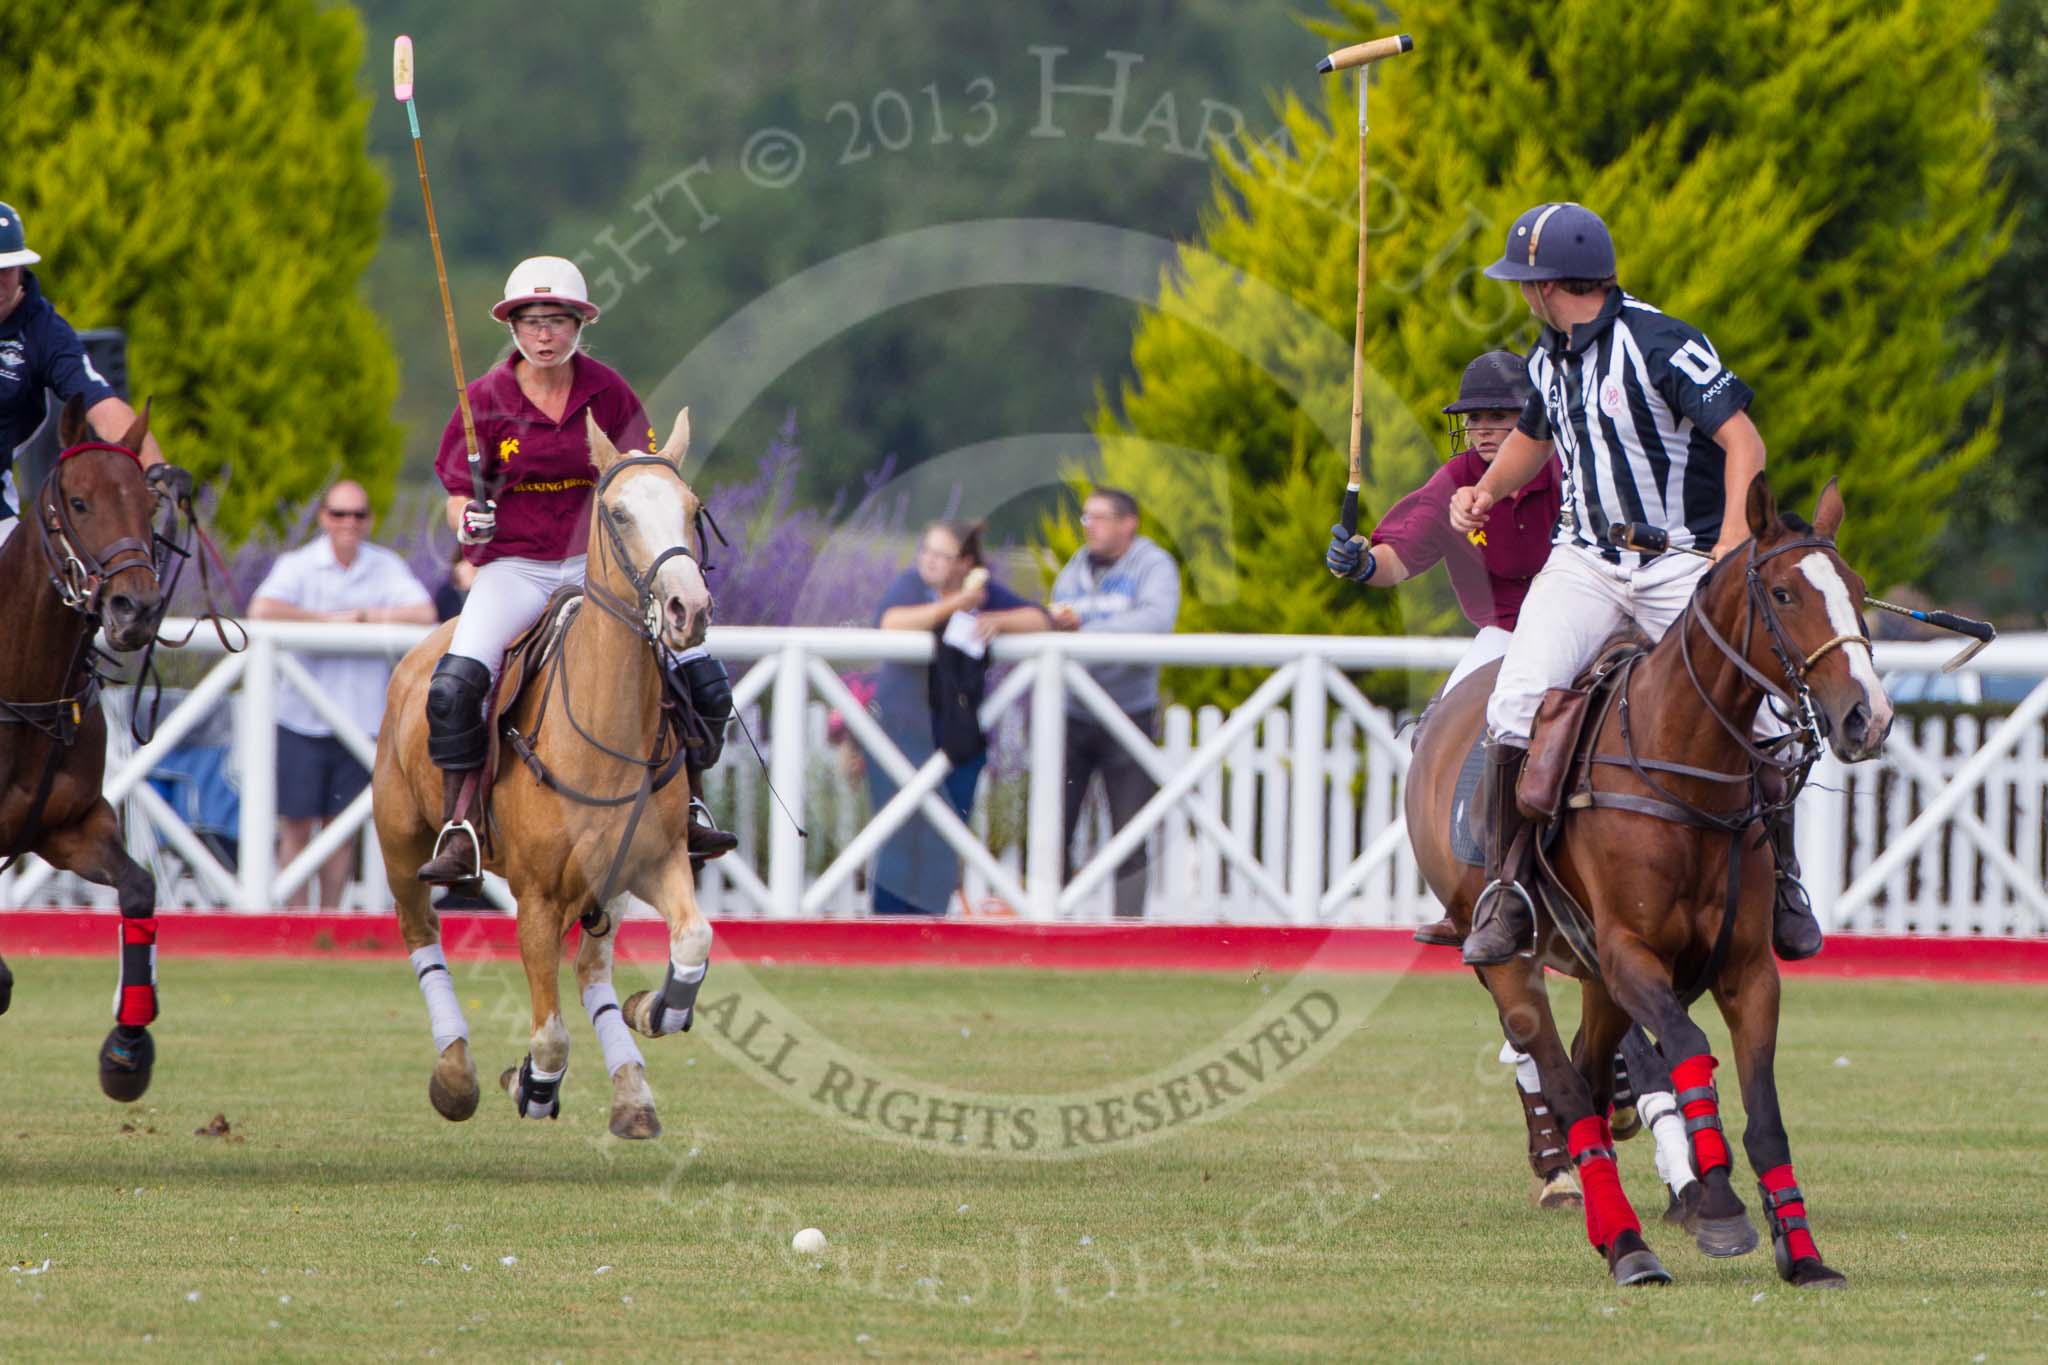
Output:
[[135, 1002], [1797, 1238], [1608, 1212], [1709, 1144]]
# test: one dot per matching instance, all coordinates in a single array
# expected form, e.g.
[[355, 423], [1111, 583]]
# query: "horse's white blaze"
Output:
[[1820, 571], [654, 506]]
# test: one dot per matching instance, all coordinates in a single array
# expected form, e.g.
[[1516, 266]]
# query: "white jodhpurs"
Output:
[[1488, 645], [7, 525], [1574, 605], [507, 597]]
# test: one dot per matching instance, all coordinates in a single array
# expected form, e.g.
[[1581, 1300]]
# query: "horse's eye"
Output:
[[78, 504], [1783, 597]]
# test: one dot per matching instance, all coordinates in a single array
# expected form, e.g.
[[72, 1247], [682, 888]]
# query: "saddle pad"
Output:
[[1464, 840]]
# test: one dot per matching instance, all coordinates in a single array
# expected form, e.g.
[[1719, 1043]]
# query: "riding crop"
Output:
[[1652, 540], [1360, 55], [401, 88]]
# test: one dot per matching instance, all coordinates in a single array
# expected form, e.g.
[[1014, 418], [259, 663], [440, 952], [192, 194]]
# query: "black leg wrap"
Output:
[[536, 1099], [710, 690], [457, 737], [678, 996], [6, 987]]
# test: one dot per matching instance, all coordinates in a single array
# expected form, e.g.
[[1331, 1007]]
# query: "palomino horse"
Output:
[[589, 815], [82, 557], [1660, 843]]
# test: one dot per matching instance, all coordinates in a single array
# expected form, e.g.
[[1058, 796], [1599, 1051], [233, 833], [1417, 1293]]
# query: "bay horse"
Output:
[[584, 813], [82, 558], [1660, 842]]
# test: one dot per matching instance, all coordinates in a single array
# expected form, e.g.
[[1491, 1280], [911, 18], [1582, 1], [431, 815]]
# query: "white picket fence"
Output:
[[1944, 836]]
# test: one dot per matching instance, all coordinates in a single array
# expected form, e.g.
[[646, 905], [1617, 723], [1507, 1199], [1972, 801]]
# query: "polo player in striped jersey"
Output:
[[1651, 427]]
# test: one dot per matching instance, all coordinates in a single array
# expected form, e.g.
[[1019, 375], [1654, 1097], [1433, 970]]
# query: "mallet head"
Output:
[[401, 68]]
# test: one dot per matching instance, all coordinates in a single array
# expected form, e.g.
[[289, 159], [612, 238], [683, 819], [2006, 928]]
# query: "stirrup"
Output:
[[1503, 884], [454, 827]]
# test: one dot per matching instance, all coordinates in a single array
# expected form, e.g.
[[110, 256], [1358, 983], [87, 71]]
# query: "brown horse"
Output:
[[82, 558], [602, 820], [1672, 795]]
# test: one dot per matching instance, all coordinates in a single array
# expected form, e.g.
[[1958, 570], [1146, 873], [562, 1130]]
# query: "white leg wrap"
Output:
[[1659, 1110], [1525, 1068], [602, 1003], [444, 1015]]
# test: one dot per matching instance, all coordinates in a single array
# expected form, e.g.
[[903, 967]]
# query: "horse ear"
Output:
[[71, 424], [139, 430], [1827, 517], [677, 447], [603, 453], [1763, 508]]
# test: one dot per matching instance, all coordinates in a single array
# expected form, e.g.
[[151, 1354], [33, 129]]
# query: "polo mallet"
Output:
[[401, 89], [1652, 540], [1360, 55]]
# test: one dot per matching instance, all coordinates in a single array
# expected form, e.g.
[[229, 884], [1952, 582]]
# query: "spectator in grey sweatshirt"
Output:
[[1119, 582]]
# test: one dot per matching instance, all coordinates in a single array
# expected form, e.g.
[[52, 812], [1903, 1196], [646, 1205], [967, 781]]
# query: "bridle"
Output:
[[80, 576], [643, 615], [1791, 695]]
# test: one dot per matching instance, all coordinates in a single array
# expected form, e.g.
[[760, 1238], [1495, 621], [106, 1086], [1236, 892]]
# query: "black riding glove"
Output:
[[169, 481]]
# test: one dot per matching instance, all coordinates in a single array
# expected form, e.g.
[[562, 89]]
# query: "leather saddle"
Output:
[[1568, 724], [524, 664]]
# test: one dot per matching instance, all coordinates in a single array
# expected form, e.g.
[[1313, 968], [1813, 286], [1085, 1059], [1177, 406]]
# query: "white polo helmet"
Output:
[[545, 279]]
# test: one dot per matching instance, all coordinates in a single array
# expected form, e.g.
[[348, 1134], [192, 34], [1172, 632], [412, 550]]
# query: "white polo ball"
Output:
[[810, 1242]]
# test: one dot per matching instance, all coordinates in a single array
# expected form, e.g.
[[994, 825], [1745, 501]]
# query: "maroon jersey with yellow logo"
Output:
[[541, 468]]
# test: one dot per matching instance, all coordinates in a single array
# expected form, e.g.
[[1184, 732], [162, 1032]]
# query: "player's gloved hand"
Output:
[[479, 523], [1348, 558], [168, 481]]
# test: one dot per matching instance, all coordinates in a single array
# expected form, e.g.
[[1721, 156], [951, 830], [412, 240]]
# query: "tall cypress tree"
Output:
[[195, 173], [1807, 184]]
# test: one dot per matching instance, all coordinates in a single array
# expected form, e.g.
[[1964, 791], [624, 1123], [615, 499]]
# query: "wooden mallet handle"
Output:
[[1359, 54]]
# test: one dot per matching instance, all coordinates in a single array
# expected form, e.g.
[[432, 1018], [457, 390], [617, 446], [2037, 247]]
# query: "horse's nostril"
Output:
[[1856, 725]]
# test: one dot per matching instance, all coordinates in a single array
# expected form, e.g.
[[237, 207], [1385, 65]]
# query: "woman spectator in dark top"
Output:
[[917, 871], [454, 589]]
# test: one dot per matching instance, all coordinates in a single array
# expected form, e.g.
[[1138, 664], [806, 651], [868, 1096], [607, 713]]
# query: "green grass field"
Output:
[[1375, 1205]]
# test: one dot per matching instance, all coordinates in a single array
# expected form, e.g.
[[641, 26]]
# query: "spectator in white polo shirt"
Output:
[[339, 577]]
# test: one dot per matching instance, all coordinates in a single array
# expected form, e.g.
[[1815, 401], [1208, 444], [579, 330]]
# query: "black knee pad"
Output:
[[710, 690], [457, 737]]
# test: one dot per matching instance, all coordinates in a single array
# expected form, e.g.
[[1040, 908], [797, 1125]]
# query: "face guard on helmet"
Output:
[[1497, 381]]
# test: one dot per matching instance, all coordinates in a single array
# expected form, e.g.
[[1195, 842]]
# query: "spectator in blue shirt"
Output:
[[1119, 581], [38, 351], [917, 870]]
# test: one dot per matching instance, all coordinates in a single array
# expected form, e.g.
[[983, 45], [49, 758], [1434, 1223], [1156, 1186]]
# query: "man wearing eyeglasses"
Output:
[[338, 578]]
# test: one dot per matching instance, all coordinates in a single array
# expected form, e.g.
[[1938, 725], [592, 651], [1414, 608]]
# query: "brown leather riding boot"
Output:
[[1795, 933], [457, 861], [1503, 919]]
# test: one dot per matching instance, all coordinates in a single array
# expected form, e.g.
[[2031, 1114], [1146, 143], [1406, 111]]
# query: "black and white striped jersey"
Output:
[[1632, 400]]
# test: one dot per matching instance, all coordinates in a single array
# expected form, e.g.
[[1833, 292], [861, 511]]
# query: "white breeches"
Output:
[[507, 597], [1488, 645], [7, 525], [1576, 602]]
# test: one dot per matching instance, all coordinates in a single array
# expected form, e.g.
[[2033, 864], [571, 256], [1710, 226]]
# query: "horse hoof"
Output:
[[635, 1013], [1808, 1273], [1560, 1191], [452, 1087], [1640, 1267], [1626, 1123], [125, 1066], [635, 1122], [1730, 1236], [1684, 1208]]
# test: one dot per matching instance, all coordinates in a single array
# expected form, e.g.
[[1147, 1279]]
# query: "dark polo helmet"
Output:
[[1555, 242], [1496, 382], [14, 240]]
